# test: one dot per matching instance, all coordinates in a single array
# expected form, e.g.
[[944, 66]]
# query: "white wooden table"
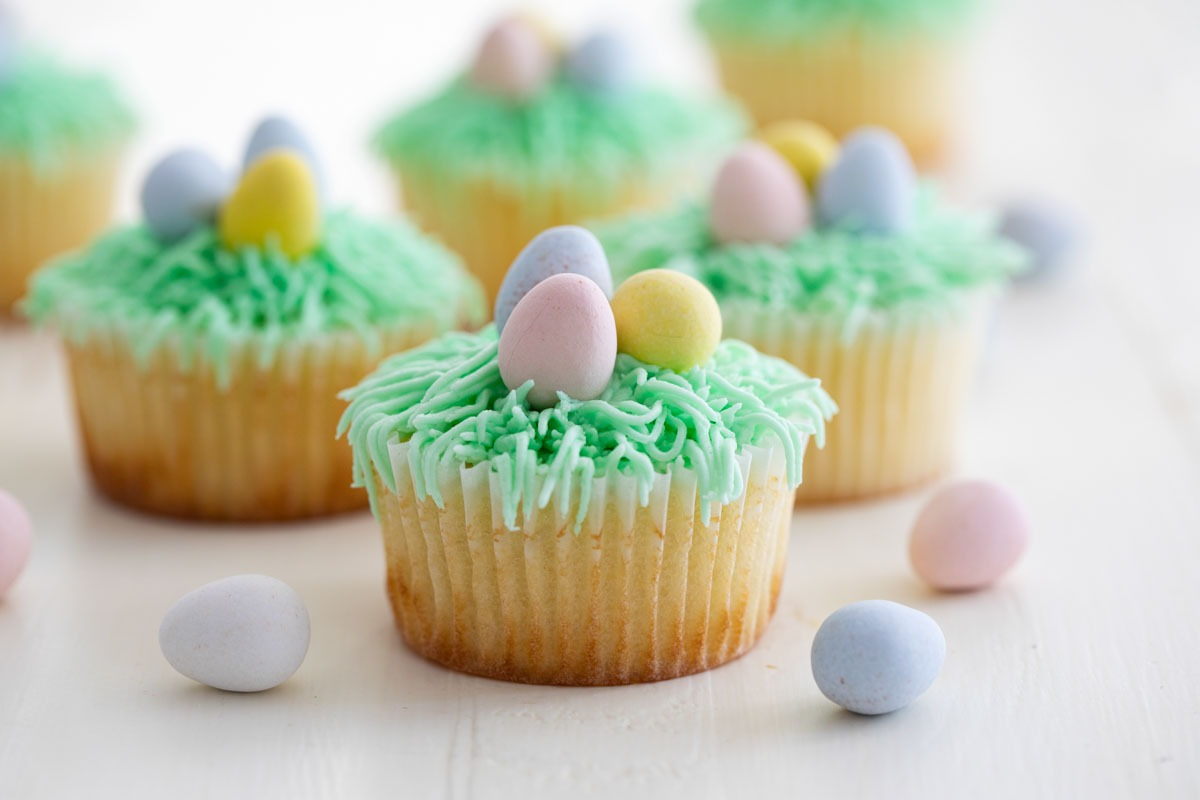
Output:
[[1078, 677]]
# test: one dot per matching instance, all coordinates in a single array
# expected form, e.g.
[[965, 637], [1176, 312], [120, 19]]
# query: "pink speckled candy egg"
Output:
[[757, 197], [562, 336], [968, 535], [513, 60], [16, 540]]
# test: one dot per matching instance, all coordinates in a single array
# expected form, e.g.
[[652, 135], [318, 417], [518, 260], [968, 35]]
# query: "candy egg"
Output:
[[871, 186], [666, 318], [561, 335], [512, 61], [1043, 230], [280, 133], [757, 197], [603, 62], [550, 36], [877, 656], [181, 193], [276, 199], [241, 634], [16, 540], [9, 44], [807, 146], [567, 248], [968, 535]]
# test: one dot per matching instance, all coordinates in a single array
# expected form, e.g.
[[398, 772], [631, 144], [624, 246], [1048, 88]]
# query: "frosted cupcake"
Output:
[[844, 63], [536, 134], [599, 494], [884, 298], [61, 137], [207, 345]]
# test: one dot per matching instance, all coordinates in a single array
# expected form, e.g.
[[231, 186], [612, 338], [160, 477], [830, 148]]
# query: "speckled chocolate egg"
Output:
[[9, 44], [757, 197], [277, 201], [1044, 230], [808, 147], [566, 248], [281, 133], [871, 186], [513, 61], [667, 318], [602, 62], [181, 193], [16, 540]]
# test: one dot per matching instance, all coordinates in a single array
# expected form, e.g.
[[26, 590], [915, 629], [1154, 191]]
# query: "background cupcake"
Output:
[[539, 132], [62, 133], [600, 494], [882, 293], [844, 63], [207, 345]]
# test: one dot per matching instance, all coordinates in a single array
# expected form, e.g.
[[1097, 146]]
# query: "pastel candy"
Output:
[[807, 146], [1044, 231], [561, 336], [549, 35], [181, 193], [9, 44], [280, 133], [757, 197], [512, 61], [666, 318], [276, 200], [247, 633], [567, 248], [16, 540], [968, 536], [871, 186], [603, 62], [876, 656]]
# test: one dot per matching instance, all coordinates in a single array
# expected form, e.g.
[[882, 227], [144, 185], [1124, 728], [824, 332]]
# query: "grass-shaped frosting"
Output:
[[784, 20], [205, 300], [447, 399]]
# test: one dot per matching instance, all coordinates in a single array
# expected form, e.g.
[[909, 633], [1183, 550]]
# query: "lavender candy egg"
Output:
[[603, 62], [871, 187], [281, 133], [10, 43], [183, 192], [16, 540], [554, 251], [513, 61], [876, 656], [1043, 230], [757, 197], [563, 337]]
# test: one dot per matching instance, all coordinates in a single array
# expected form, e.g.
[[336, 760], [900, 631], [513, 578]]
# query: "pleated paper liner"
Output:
[[901, 382], [44, 213], [169, 439], [636, 594]]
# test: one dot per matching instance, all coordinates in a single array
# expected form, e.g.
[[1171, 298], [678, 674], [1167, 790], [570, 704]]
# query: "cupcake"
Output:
[[207, 344], [61, 137], [843, 63], [883, 296], [536, 134], [597, 494]]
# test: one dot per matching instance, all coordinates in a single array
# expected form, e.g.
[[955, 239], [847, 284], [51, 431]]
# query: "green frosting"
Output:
[[562, 136], [49, 115], [784, 20], [206, 300], [827, 270], [447, 399]]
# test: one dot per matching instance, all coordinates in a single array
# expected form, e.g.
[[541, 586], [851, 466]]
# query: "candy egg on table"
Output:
[[562, 336], [968, 536], [513, 61], [666, 318], [603, 62], [876, 656], [16, 540], [566, 248], [871, 185], [281, 133], [757, 197], [808, 147], [181, 193], [1045, 232], [247, 633], [276, 199]]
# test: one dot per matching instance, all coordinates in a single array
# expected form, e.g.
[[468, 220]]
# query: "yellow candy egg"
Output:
[[276, 198], [666, 318], [808, 147], [550, 36]]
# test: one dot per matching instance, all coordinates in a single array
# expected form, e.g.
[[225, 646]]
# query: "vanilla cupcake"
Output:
[[600, 494], [207, 345]]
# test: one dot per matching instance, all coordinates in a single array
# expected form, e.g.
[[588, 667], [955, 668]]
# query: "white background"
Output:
[[1078, 677]]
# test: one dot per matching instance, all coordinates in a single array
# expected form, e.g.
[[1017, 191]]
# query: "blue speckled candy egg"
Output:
[[9, 43], [182, 192], [567, 248], [871, 187], [1042, 229], [877, 656], [603, 62], [280, 133]]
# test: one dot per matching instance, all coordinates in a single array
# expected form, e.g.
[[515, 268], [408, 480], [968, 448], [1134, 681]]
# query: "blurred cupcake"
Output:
[[207, 345], [61, 137], [537, 134], [883, 297], [844, 63], [600, 494]]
